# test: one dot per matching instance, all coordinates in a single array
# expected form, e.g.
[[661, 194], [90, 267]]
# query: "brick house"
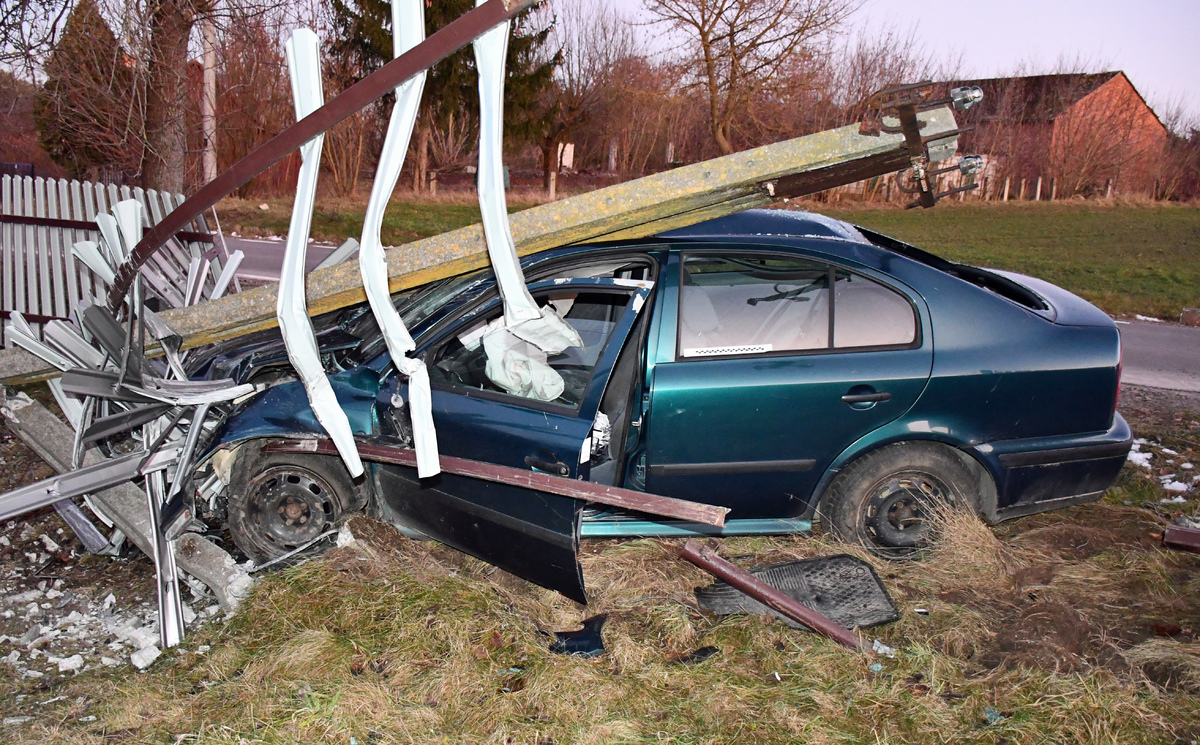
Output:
[[1083, 130]]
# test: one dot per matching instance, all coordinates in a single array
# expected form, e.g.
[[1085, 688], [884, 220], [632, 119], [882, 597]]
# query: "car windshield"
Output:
[[417, 305]]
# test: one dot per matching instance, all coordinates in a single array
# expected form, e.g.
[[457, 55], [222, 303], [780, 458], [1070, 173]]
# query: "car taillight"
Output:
[[1120, 364]]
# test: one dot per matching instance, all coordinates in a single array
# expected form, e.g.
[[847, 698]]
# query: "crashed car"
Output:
[[781, 364]]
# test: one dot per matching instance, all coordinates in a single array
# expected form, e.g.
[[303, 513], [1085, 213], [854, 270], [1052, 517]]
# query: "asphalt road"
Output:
[[1157, 355], [1161, 355]]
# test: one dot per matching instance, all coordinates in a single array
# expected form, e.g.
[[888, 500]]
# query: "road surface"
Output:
[[1157, 355], [1161, 355]]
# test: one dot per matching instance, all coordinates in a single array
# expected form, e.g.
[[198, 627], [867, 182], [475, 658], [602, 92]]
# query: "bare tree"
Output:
[[592, 40], [737, 47]]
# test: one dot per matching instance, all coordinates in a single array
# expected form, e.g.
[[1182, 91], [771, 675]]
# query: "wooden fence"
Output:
[[41, 219]]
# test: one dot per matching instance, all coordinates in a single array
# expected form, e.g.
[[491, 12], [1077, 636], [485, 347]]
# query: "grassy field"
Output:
[[1125, 258]]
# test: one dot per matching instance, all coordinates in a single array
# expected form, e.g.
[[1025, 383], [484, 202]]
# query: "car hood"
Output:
[[1068, 309]]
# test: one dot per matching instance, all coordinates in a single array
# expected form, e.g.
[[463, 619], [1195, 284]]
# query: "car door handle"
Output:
[[866, 398], [556, 468]]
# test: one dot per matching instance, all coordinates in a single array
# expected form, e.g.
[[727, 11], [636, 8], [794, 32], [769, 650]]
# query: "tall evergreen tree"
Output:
[[87, 113], [362, 28]]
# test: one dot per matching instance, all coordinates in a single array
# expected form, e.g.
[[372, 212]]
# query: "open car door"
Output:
[[499, 400]]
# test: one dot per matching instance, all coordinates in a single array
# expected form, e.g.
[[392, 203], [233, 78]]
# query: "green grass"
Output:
[[1124, 258]]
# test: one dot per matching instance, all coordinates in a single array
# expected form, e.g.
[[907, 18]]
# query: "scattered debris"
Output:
[[142, 658], [708, 560], [1183, 539], [586, 642], [879, 647], [992, 716], [697, 656], [843, 588]]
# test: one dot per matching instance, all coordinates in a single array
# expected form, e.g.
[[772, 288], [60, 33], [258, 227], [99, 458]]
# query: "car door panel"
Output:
[[755, 431], [531, 534], [756, 434]]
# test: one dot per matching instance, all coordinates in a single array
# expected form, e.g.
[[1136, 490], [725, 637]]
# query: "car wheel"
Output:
[[278, 502], [885, 499]]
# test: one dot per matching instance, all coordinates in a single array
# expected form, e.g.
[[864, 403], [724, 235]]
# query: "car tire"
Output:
[[278, 502], [882, 500]]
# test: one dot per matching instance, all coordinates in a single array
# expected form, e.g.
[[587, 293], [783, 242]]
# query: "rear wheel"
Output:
[[278, 502], [887, 500]]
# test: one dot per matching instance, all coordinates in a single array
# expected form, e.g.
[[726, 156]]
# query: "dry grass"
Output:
[[392, 640], [1075, 626]]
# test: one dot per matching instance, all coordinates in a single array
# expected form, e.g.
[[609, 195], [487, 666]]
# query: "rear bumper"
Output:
[[1038, 474]]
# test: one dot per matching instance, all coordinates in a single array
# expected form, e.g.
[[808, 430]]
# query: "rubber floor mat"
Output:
[[843, 588]]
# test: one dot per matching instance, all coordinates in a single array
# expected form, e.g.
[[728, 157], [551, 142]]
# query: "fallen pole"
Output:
[[708, 560], [635, 209], [679, 509]]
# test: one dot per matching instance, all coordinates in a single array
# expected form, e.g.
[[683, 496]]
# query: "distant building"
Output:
[[1083, 130]]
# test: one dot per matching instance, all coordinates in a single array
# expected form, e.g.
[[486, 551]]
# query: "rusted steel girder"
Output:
[[653, 504], [447, 41], [1182, 539], [708, 560]]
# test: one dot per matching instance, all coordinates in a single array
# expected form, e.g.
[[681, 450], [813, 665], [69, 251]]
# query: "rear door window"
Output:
[[746, 305]]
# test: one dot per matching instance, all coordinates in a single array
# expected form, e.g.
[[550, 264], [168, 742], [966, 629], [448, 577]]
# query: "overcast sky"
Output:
[[1156, 42]]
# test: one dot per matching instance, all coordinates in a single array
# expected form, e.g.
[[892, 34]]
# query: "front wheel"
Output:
[[279, 502], [887, 500]]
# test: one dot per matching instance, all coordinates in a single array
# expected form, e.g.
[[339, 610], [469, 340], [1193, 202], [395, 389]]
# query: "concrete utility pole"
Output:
[[208, 99]]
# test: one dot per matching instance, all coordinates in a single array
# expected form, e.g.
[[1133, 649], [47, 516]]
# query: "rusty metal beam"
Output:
[[708, 560], [679, 509], [447, 41], [1182, 539], [628, 211]]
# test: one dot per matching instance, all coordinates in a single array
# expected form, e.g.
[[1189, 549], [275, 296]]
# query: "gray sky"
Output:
[[1156, 42]]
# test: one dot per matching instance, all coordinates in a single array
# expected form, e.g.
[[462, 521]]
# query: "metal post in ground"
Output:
[[1006, 181], [1037, 194]]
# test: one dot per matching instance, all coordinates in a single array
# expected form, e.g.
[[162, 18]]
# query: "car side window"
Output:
[[867, 314], [746, 304], [486, 356]]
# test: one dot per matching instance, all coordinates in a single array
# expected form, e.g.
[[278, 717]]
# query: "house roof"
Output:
[[1032, 99]]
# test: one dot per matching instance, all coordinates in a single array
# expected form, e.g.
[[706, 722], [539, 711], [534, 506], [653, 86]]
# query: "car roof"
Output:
[[763, 222]]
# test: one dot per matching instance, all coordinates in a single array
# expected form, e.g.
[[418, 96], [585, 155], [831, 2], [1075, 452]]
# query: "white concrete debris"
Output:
[[344, 536], [74, 663], [142, 658], [49, 543]]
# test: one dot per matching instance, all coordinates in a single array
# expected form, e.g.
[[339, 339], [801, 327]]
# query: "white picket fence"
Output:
[[41, 219]]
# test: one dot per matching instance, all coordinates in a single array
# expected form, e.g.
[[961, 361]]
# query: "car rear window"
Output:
[[990, 281]]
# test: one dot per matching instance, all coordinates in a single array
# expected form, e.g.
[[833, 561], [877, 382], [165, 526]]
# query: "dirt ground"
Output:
[[1084, 589]]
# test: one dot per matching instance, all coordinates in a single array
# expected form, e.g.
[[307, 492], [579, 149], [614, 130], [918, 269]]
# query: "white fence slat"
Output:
[[61, 300], [153, 206], [68, 239], [111, 193], [81, 202], [6, 235], [42, 238], [19, 242]]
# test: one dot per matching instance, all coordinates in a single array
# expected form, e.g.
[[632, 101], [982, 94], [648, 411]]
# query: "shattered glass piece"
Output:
[[586, 642]]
